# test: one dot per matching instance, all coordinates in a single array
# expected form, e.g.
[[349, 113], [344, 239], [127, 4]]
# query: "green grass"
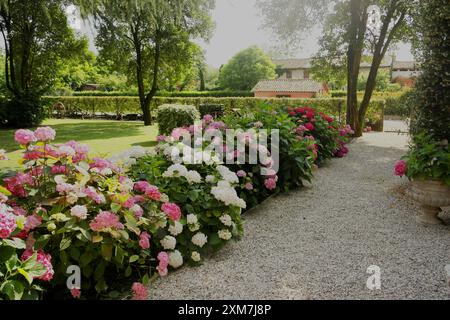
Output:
[[103, 137]]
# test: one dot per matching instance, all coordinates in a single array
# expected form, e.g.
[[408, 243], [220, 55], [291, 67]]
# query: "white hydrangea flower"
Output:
[[175, 259], [227, 174], [210, 179], [191, 218], [226, 220], [106, 172], [168, 242], [194, 227], [224, 234], [176, 228], [199, 239], [227, 194], [175, 170], [195, 256], [164, 198], [193, 177]]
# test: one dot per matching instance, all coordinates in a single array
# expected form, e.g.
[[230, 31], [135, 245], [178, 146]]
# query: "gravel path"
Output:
[[317, 243]]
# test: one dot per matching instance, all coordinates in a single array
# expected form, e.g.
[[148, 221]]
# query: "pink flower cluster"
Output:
[[163, 259], [16, 185], [144, 240], [105, 220], [401, 168], [25, 137], [42, 258], [7, 222], [139, 291], [172, 211]]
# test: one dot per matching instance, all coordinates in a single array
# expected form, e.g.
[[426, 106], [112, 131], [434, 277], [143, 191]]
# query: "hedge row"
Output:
[[183, 94], [130, 105]]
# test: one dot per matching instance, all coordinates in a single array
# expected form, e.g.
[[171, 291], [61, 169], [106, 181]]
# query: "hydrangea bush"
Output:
[[75, 210]]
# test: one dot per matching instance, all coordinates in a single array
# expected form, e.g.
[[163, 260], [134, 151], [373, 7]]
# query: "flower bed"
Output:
[[123, 221]]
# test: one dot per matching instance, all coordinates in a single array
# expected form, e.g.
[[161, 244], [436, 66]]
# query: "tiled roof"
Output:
[[293, 63], [410, 65], [288, 85]]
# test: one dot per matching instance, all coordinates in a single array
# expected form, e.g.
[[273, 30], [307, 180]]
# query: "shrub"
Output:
[[73, 210], [217, 94], [400, 105], [216, 110], [25, 113], [172, 116]]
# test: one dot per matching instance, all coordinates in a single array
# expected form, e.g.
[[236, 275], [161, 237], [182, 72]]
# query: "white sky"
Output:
[[238, 27]]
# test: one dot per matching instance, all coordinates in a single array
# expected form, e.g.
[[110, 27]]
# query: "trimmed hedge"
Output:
[[171, 116], [130, 105], [182, 94]]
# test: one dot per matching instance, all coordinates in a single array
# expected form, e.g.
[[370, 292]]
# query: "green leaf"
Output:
[[106, 250], [12, 263], [42, 241], [145, 279], [65, 243], [86, 258], [134, 258], [26, 275], [13, 289], [15, 243], [5, 253], [115, 207]]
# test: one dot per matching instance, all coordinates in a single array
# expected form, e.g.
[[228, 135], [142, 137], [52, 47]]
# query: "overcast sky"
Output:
[[238, 27]]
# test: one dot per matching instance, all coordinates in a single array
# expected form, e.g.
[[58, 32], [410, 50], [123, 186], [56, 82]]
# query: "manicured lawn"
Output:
[[104, 138]]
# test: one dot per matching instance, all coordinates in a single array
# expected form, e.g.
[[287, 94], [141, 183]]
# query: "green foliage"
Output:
[[215, 110], [174, 116], [21, 113], [175, 94], [431, 112], [428, 159], [246, 68], [400, 105], [383, 82], [123, 105]]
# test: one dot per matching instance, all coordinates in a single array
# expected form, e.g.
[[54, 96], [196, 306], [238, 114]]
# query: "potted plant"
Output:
[[427, 165]]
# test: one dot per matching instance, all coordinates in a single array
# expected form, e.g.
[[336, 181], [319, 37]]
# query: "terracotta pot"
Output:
[[432, 195]]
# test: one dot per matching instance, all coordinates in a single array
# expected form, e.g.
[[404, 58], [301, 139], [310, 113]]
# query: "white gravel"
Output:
[[317, 243]]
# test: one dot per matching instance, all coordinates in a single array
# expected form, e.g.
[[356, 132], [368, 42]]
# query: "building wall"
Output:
[[296, 74], [404, 74], [272, 94]]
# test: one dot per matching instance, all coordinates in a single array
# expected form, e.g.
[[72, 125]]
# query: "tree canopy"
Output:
[[246, 68]]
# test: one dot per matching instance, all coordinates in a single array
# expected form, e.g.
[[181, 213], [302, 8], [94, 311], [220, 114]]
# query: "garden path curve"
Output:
[[317, 243]]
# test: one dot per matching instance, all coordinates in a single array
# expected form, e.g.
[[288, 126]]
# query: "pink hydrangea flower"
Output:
[[400, 168], [137, 211], [92, 194], [105, 220], [163, 259], [139, 291], [44, 259], [153, 193], [309, 126], [178, 133], [172, 211], [24, 136], [45, 134], [80, 212], [144, 240], [141, 186], [161, 138], [32, 222], [241, 174], [7, 224], [59, 169], [16, 184], [81, 150], [248, 186], [270, 184], [75, 292], [208, 118]]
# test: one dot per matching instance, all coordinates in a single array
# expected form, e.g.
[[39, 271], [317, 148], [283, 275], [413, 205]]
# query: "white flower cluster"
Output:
[[175, 259], [227, 194], [195, 256], [226, 220], [192, 222], [199, 239], [224, 234], [176, 228], [168, 242], [227, 174], [179, 170], [128, 158]]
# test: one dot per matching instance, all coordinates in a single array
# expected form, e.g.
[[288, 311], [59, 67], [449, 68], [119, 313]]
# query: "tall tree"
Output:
[[149, 38], [37, 39], [348, 35], [246, 68]]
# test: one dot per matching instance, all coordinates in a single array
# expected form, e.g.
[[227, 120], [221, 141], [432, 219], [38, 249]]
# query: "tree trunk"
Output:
[[202, 79], [357, 30], [148, 99]]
